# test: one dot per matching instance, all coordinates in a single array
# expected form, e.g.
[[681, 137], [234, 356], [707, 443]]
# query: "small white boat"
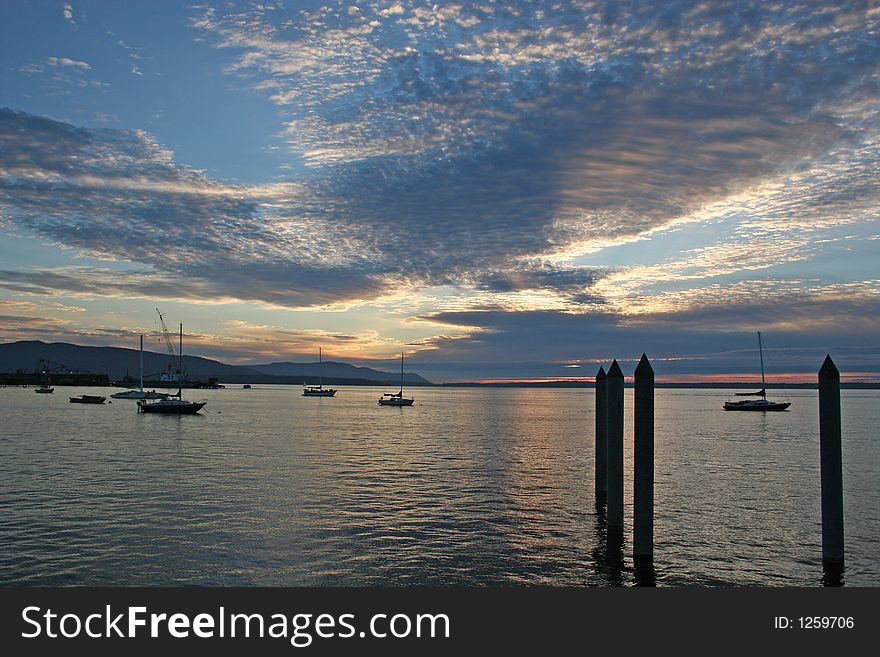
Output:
[[396, 398], [319, 390], [762, 404], [45, 389]]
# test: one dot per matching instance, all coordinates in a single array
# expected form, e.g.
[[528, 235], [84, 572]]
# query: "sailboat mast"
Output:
[[401, 375], [320, 368], [761, 352], [180, 358], [142, 362]]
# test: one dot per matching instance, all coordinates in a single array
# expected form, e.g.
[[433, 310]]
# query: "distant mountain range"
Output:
[[333, 370], [117, 362]]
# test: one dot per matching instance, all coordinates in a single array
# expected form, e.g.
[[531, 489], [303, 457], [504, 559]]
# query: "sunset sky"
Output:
[[501, 189]]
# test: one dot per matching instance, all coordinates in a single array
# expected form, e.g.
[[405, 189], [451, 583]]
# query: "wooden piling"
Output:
[[601, 461], [831, 463], [643, 461], [614, 406]]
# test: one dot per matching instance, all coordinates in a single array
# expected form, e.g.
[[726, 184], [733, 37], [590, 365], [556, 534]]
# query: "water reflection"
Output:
[[645, 573], [832, 573], [471, 487], [607, 550]]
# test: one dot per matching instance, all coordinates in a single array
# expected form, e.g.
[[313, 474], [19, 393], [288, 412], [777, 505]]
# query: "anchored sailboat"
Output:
[[319, 390], [172, 406], [762, 404], [396, 398]]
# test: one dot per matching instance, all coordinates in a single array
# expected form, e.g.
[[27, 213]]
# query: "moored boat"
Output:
[[171, 406], [319, 390], [396, 398], [88, 399], [756, 405], [762, 404], [140, 394]]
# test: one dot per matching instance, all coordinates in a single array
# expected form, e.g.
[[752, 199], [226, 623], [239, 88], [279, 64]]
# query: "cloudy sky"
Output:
[[504, 190]]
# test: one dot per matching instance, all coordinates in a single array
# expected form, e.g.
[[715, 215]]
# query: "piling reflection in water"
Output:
[[833, 573], [607, 553]]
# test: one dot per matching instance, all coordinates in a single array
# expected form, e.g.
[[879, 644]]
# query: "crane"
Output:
[[168, 343], [170, 374]]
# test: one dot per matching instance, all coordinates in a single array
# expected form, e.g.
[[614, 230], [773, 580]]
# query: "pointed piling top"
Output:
[[615, 372], [644, 367], [829, 370], [600, 375]]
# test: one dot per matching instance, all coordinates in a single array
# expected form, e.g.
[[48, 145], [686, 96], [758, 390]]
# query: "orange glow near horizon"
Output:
[[738, 378]]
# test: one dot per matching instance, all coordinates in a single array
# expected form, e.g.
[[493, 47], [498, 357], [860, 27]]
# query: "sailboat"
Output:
[[396, 398], [172, 406], [319, 390], [762, 404], [140, 393]]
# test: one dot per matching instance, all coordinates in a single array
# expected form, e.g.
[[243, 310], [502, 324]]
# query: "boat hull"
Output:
[[186, 408], [45, 391], [330, 392], [88, 399], [137, 394], [749, 406], [396, 401]]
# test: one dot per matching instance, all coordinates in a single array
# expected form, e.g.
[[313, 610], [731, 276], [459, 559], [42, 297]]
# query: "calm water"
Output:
[[470, 486]]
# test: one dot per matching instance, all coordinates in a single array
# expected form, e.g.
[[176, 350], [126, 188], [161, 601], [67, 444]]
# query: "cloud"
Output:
[[543, 344], [236, 341], [463, 134], [67, 12], [62, 74], [16, 326], [119, 195], [469, 156], [66, 61], [56, 62], [250, 342]]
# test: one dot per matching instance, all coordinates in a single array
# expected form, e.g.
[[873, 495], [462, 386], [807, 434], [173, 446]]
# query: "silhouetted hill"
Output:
[[338, 371], [116, 362]]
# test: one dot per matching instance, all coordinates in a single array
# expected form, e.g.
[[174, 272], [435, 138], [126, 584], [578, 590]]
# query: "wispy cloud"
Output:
[[61, 74], [532, 130], [55, 62], [73, 185]]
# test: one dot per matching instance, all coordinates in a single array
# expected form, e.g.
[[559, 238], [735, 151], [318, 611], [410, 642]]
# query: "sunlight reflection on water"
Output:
[[470, 486]]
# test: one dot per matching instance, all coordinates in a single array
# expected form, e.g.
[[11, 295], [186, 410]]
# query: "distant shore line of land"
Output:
[[851, 385], [855, 385]]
